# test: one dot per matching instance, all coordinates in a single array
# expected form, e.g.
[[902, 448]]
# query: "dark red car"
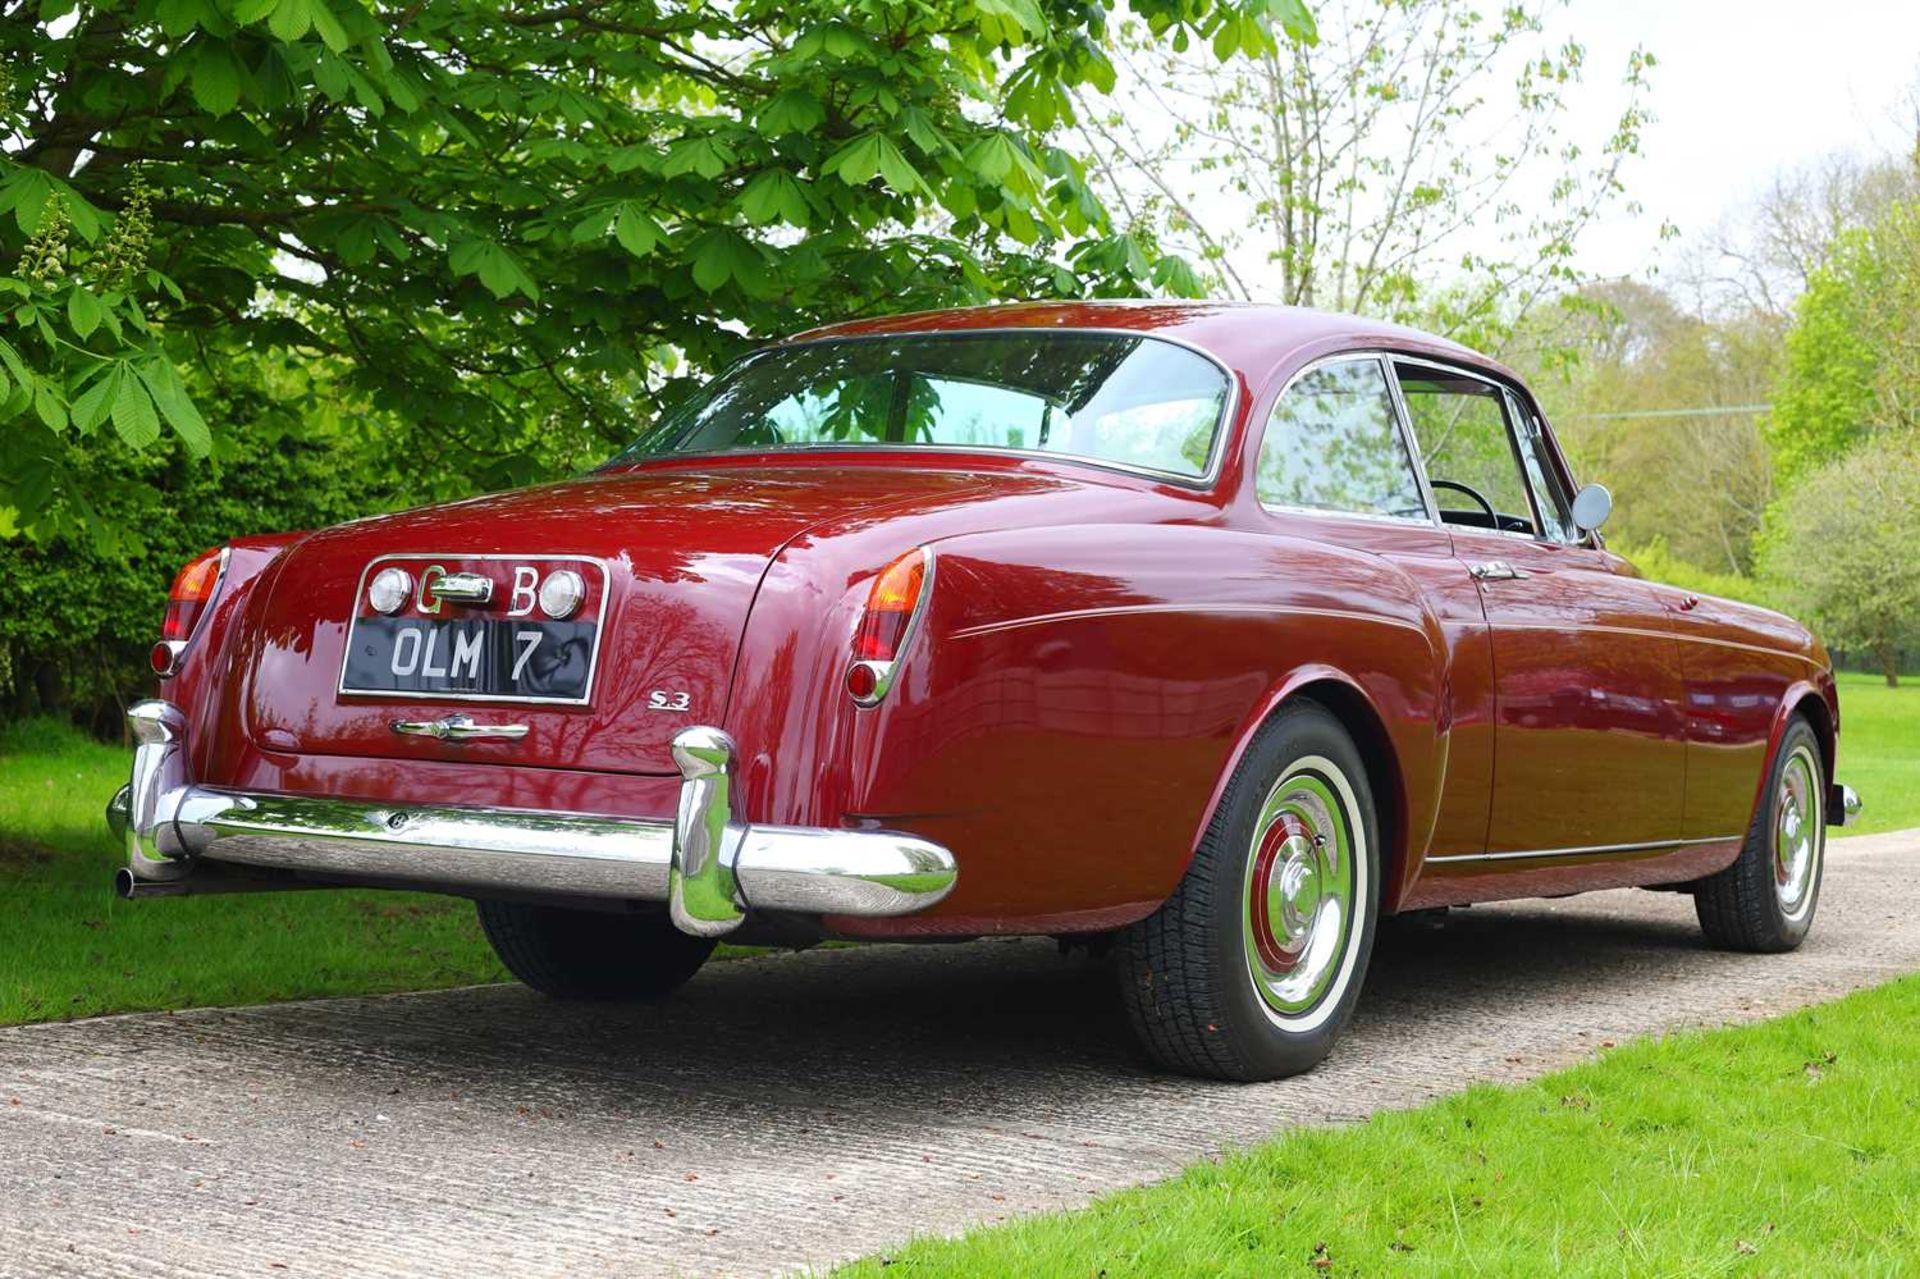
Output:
[[1216, 632]]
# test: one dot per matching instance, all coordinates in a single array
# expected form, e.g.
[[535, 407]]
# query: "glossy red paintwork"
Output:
[[684, 553], [1097, 650]]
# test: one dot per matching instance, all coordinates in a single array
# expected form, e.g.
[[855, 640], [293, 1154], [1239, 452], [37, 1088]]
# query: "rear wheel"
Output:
[[1765, 900], [586, 954], [1253, 966]]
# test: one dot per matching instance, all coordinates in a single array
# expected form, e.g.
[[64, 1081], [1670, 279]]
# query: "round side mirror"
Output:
[[1591, 506]]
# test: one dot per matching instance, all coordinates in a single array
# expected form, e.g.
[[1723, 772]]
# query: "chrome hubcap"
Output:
[[1799, 828], [1305, 874], [1296, 894]]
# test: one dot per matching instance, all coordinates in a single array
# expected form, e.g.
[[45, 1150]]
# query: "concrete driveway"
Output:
[[797, 1110]]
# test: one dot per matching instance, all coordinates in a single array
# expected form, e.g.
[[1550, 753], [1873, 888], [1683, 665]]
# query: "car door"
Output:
[[1335, 467], [1589, 730]]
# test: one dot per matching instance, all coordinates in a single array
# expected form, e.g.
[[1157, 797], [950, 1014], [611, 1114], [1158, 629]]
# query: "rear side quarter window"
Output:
[[1333, 443]]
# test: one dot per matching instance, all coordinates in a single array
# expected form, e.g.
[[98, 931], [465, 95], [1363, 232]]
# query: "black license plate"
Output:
[[470, 657]]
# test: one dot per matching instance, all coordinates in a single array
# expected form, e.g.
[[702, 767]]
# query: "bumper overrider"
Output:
[[709, 868]]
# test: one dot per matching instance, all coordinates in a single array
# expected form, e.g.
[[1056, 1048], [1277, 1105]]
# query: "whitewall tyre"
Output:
[[1253, 966], [1766, 899]]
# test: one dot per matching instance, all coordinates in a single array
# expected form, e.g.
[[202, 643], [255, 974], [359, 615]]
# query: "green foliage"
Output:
[[80, 606], [1841, 549], [1825, 401], [1657, 562], [76, 351], [1853, 356], [507, 227], [1700, 482], [1840, 543]]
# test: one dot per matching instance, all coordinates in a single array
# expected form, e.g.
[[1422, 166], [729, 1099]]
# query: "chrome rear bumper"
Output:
[[1843, 805], [709, 868]]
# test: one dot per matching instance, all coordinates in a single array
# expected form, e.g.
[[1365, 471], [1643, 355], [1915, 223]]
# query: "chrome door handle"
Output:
[[462, 588], [1496, 571], [459, 728]]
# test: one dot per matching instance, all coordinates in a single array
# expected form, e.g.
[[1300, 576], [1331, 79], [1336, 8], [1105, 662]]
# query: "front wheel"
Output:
[[1253, 966], [1765, 900], [586, 954]]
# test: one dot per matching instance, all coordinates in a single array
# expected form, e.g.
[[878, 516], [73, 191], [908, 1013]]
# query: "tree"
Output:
[[1758, 261], [507, 224], [80, 607], [1631, 406], [1378, 170], [1853, 355], [1841, 549]]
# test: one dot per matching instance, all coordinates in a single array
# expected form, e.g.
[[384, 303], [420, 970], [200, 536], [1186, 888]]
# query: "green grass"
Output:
[[1785, 1148], [1880, 750], [72, 949]]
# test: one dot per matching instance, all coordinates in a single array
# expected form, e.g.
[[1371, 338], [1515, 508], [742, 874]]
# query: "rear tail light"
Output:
[[192, 591], [894, 603], [165, 656]]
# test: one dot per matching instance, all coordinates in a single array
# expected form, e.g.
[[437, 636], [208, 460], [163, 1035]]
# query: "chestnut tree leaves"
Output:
[[505, 228]]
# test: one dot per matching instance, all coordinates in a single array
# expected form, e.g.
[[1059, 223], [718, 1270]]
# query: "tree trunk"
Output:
[[49, 688], [1890, 664]]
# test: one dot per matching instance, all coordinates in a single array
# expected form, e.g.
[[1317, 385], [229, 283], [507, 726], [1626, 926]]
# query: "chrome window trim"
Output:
[[1384, 360], [1519, 416], [1326, 513], [1223, 426], [340, 688], [1518, 393], [1591, 539], [1412, 441], [1591, 850], [1505, 395]]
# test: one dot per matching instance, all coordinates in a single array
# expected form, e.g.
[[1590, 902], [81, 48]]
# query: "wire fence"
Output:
[[1717, 410]]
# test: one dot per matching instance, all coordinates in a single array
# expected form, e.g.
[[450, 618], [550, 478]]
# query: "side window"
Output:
[[1537, 459], [1333, 444], [1468, 447]]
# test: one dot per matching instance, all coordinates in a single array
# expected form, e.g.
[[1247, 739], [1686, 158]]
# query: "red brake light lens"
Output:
[[892, 601], [863, 681], [191, 592], [890, 604]]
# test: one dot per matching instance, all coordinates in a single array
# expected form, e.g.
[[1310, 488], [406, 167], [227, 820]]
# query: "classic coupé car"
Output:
[[1216, 633]]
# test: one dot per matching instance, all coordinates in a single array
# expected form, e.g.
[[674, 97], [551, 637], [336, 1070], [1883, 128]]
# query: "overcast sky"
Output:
[[1744, 88]]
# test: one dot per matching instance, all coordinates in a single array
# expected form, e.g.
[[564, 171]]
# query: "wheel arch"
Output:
[[1808, 701], [1350, 704]]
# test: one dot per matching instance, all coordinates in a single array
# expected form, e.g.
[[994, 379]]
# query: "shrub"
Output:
[[1843, 548]]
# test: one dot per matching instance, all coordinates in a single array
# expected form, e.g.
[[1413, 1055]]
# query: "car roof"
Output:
[[1250, 337]]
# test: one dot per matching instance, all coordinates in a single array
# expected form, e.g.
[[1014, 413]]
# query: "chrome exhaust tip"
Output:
[[207, 878], [129, 887]]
